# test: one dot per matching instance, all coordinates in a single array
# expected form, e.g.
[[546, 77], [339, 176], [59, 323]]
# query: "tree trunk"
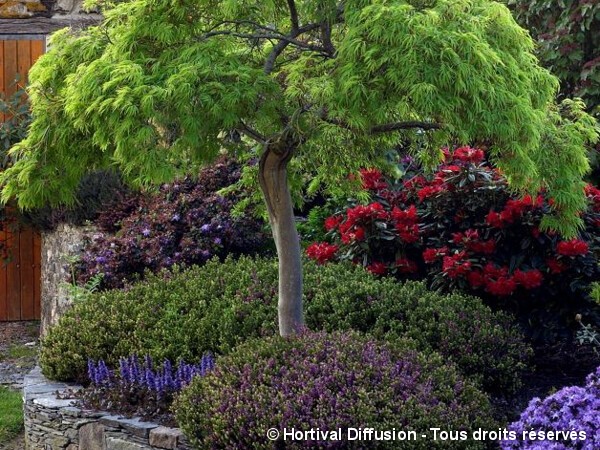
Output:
[[274, 185]]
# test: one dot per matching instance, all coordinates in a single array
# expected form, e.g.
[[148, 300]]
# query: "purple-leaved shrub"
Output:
[[328, 381], [186, 222], [140, 388], [573, 408]]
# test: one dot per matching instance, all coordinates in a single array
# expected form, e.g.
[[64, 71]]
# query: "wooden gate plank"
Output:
[[2, 91], [37, 274], [37, 50], [26, 273], [10, 67], [13, 277], [23, 61], [3, 291]]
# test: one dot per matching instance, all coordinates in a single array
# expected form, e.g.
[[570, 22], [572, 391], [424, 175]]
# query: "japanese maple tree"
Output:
[[315, 87]]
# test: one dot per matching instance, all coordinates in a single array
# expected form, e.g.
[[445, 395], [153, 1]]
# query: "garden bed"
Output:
[[54, 423]]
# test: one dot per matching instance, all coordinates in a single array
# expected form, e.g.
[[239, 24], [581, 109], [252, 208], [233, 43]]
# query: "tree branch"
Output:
[[250, 132], [388, 127], [288, 40], [293, 15], [282, 44]]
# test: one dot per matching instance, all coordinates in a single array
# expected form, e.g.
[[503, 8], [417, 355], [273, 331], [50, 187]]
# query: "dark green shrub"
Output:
[[328, 381], [218, 306]]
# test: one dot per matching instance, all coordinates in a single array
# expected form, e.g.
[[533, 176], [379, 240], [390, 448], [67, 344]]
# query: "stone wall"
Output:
[[25, 9], [58, 247], [53, 423]]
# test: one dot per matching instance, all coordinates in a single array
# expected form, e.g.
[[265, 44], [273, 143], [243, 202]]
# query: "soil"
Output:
[[24, 337], [18, 443]]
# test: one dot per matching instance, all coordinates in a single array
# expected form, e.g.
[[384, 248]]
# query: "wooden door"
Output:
[[20, 280]]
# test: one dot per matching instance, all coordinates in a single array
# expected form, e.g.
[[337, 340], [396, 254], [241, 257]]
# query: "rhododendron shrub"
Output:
[[462, 228]]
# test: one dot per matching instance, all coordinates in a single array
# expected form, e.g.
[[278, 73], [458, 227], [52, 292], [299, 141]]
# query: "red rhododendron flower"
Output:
[[501, 287], [409, 215], [555, 265], [372, 179], [428, 191], [377, 268], [485, 247], [405, 265], [491, 271], [469, 155], [455, 266], [416, 181], [363, 213], [333, 222], [592, 192], [321, 251], [476, 279], [408, 233], [574, 247], [358, 234], [431, 254], [493, 219], [529, 279]]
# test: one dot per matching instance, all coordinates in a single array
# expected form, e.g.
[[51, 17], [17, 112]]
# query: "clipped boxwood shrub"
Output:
[[220, 305], [328, 381]]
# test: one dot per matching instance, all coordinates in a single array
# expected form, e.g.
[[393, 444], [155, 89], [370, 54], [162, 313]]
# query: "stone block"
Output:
[[57, 442], [137, 427], [91, 436], [114, 443], [163, 437], [71, 411], [52, 402], [111, 421]]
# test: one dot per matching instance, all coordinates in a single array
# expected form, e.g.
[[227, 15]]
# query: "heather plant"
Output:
[[572, 408], [328, 381], [461, 227], [186, 222], [222, 305], [140, 388]]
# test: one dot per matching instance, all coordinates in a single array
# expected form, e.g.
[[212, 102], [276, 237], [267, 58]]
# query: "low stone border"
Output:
[[56, 424]]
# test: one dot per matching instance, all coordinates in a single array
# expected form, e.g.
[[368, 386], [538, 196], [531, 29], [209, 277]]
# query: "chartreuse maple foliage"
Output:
[[159, 86]]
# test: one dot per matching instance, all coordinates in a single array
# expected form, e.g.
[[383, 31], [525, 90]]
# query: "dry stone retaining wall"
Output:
[[52, 423], [57, 247]]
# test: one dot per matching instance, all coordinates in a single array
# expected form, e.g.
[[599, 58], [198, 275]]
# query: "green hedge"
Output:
[[220, 305]]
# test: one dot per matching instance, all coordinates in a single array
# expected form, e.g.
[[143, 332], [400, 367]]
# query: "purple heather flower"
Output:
[[101, 260], [218, 241], [146, 232], [572, 408], [176, 217], [205, 228]]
